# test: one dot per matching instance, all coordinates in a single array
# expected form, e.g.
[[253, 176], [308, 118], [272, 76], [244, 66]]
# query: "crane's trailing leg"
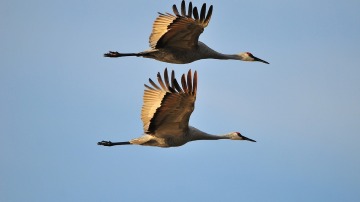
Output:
[[109, 144], [115, 54]]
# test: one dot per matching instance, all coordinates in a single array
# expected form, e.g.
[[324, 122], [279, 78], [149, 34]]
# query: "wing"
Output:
[[167, 108], [179, 31]]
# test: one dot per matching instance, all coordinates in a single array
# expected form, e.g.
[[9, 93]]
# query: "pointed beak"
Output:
[[248, 139], [260, 60]]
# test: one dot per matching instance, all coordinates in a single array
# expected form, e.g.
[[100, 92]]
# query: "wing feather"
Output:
[[208, 16], [189, 84], [183, 83], [175, 10], [179, 31], [196, 13], [190, 10], [202, 13], [195, 83], [161, 81], [153, 84], [174, 83], [166, 77], [167, 112], [183, 8], [148, 87]]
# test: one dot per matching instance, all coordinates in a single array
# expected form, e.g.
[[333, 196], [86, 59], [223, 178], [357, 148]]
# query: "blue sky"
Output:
[[59, 97]]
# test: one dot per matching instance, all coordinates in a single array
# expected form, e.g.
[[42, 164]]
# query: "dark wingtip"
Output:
[[189, 81], [195, 82], [175, 10], [195, 13], [202, 12], [183, 8], [208, 16]]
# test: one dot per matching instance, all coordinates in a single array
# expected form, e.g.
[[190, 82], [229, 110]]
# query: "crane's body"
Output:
[[167, 140], [183, 56], [174, 39], [166, 112]]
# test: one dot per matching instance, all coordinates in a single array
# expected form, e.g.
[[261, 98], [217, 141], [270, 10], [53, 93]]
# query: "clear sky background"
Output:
[[59, 96]]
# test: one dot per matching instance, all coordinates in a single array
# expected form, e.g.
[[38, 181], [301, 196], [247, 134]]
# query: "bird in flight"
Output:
[[166, 111], [175, 38]]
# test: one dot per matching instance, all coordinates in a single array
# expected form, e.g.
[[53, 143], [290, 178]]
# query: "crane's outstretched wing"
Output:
[[179, 31], [167, 108]]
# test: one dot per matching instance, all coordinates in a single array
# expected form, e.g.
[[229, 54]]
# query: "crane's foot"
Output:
[[112, 54], [106, 143]]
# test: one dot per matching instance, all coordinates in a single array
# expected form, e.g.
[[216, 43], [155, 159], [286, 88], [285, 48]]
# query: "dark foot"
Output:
[[112, 54], [105, 143]]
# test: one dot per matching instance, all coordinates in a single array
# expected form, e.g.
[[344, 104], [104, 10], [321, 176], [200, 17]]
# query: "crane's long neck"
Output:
[[210, 53], [227, 56], [197, 134]]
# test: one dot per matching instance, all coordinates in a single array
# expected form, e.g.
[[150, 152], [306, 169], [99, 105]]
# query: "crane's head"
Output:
[[238, 136], [247, 56]]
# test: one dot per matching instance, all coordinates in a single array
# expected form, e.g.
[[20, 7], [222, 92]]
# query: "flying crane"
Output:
[[166, 111], [175, 39]]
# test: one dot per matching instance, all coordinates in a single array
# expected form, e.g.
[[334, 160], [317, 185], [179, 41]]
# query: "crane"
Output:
[[166, 112], [174, 39]]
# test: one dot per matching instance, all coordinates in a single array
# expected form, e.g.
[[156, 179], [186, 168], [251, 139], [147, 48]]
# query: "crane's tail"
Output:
[[114, 54], [109, 144]]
